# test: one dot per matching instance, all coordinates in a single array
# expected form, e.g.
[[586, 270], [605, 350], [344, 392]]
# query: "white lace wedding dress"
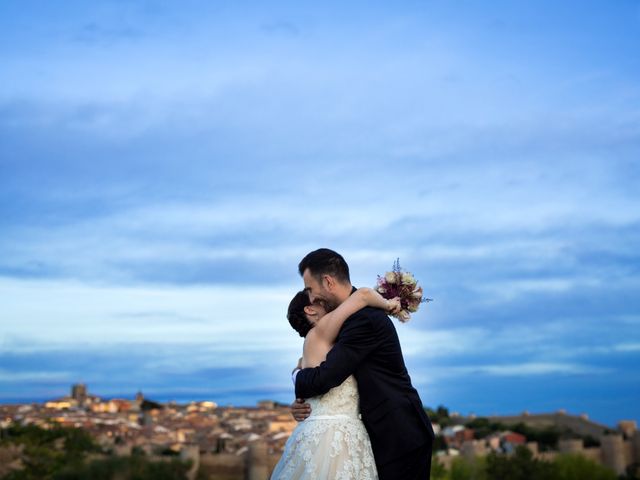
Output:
[[331, 443]]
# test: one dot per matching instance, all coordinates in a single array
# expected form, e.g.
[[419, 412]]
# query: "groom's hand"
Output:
[[300, 410]]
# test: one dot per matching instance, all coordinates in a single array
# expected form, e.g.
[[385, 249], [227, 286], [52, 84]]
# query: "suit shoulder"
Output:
[[367, 313], [374, 313], [359, 319], [371, 316]]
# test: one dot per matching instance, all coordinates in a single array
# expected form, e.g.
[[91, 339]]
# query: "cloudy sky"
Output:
[[165, 165]]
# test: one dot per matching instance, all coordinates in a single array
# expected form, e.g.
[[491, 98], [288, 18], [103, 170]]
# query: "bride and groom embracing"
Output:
[[360, 417]]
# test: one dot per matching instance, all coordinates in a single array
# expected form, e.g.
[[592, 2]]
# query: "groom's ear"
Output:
[[329, 281]]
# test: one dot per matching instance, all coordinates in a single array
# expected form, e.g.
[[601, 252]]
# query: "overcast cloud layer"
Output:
[[164, 167]]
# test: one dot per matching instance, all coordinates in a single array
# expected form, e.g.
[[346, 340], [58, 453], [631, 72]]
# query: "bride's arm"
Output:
[[329, 325]]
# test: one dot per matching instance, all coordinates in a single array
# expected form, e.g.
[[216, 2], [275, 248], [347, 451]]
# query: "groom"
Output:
[[367, 347]]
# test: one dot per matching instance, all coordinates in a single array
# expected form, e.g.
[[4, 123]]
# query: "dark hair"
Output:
[[325, 262], [296, 316]]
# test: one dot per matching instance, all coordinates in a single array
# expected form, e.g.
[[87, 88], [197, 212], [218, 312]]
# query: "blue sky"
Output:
[[165, 165]]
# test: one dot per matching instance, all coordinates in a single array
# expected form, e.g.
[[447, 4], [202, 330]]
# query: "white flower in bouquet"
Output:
[[407, 279], [403, 285]]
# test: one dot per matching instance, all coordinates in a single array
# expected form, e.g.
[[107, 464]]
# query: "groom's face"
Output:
[[319, 291]]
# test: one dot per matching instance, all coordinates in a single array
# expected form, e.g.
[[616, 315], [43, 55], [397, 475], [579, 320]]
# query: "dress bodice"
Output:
[[340, 400]]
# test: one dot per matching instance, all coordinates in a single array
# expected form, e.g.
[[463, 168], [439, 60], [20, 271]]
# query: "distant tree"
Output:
[[464, 469], [78, 442], [574, 466], [150, 405], [547, 438], [632, 472], [132, 467], [483, 427], [519, 466], [138, 451], [59, 453], [48, 450], [442, 411], [440, 415], [438, 470], [439, 443], [169, 452], [590, 441]]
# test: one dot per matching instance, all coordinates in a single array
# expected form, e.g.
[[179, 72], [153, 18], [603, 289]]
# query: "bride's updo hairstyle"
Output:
[[296, 316]]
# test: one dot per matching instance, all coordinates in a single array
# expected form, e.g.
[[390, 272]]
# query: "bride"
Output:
[[332, 442]]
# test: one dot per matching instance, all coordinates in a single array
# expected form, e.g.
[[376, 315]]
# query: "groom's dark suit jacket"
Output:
[[368, 347]]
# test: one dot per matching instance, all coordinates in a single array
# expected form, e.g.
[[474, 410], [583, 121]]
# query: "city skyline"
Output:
[[164, 167], [61, 402]]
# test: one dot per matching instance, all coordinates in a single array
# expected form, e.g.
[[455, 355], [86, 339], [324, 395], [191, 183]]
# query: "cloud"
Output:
[[94, 33], [163, 169], [34, 376], [627, 347], [281, 27], [528, 369]]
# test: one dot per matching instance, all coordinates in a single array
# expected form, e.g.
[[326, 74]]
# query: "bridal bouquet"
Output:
[[397, 283]]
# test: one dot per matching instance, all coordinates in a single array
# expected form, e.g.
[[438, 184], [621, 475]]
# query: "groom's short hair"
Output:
[[325, 262]]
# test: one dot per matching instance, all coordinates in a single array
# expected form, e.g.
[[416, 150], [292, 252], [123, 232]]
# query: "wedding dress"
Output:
[[332, 443]]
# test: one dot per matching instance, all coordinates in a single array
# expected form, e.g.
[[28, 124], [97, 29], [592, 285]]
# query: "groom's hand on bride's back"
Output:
[[300, 410]]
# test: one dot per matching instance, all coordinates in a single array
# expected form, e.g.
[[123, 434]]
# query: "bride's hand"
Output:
[[394, 306]]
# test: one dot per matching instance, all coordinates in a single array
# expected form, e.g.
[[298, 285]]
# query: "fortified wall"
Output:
[[618, 448]]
